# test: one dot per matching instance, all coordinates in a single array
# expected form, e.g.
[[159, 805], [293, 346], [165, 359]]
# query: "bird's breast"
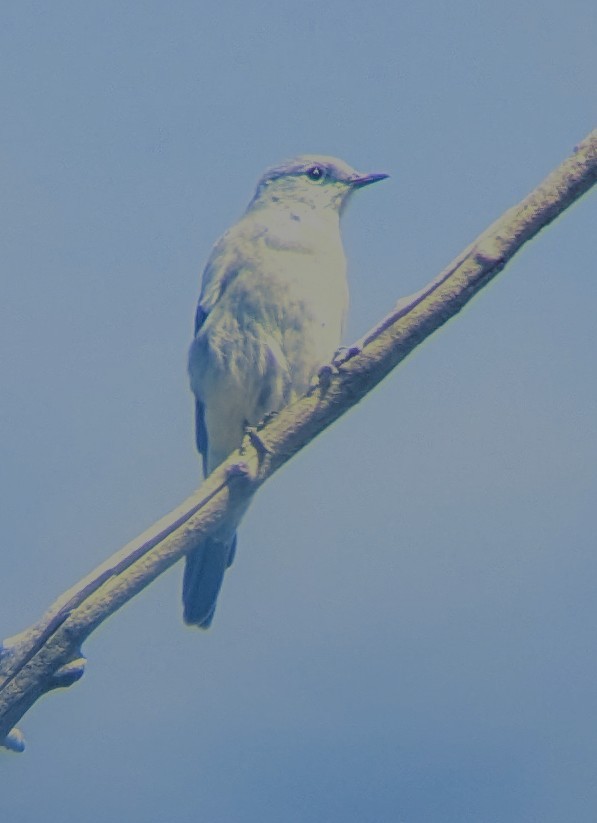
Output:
[[279, 318]]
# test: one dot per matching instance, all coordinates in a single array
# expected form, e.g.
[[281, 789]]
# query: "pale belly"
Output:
[[261, 347]]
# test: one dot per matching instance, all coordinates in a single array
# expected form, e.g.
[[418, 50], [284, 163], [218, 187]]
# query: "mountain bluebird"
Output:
[[271, 313]]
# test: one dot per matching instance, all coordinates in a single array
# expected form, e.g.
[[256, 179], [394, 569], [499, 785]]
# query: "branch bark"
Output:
[[48, 654]]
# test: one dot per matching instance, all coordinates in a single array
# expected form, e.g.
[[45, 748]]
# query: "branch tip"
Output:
[[14, 741]]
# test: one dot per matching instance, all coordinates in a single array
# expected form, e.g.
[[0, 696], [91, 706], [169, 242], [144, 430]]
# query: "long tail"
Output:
[[203, 575]]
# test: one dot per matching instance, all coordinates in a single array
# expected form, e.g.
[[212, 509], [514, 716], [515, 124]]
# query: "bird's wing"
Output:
[[200, 429], [222, 268]]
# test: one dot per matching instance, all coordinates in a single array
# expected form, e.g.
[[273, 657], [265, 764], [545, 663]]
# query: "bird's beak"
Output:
[[365, 179]]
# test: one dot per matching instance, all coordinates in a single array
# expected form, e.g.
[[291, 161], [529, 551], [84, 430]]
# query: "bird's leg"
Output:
[[251, 433], [257, 443]]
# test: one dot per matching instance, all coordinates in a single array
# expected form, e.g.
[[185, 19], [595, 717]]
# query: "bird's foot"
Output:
[[269, 416], [257, 442], [327, 372], [344, 354]]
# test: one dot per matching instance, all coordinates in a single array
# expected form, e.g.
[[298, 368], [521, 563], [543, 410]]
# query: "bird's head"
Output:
[[316, 181]]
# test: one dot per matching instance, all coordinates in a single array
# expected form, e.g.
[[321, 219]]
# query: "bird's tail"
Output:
[[203, 575]]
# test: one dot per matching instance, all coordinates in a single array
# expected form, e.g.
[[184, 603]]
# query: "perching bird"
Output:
[[271, 313]]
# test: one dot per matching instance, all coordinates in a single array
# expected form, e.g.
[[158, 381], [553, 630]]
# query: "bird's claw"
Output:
[[257, 442], [344, 354], [327, 372], [266, 419]]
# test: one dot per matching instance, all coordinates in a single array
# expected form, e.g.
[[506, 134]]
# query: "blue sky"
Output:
[[408, 632]]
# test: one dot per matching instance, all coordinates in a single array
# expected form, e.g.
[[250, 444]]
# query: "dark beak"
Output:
[[365, 179]]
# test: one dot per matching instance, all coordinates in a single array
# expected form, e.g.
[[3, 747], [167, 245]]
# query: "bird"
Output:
[[271, 313]]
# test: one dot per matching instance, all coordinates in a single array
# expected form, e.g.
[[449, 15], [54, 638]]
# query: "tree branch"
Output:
[[48, 654]]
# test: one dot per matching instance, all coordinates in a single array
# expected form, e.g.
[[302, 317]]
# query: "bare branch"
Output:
[[48, 654]]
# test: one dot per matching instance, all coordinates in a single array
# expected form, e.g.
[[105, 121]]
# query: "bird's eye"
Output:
[[316, 174]]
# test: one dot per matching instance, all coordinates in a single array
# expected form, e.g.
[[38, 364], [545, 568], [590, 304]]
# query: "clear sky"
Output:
[[408, 632]]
